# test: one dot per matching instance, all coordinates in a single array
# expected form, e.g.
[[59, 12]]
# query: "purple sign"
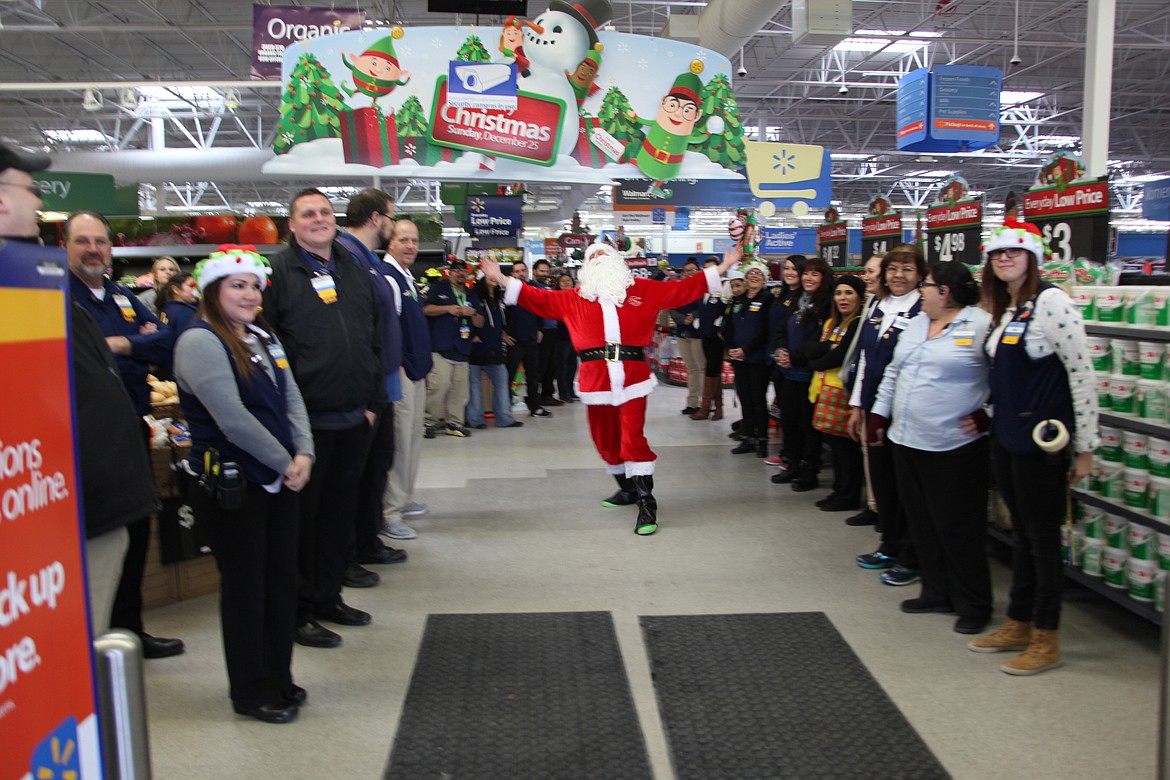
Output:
[[276, 26]]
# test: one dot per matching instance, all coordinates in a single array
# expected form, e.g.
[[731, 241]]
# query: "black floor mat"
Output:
[[776, 696], [514, 696]]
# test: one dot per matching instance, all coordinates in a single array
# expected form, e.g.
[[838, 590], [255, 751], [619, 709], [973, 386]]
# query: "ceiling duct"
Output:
[[725, 26], [821, 22], [137, 166], [682, 28]]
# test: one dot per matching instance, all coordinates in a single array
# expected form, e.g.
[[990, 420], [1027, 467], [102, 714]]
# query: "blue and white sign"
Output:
[[658, 216], [494, 215], [682, 218], [788, 241], [1156, 199], [950, 108], [490, 85]]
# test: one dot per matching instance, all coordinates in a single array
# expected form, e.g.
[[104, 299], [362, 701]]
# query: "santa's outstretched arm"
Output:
[[537, 300]]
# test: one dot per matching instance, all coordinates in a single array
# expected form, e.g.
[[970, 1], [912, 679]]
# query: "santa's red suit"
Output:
[[615, 390]]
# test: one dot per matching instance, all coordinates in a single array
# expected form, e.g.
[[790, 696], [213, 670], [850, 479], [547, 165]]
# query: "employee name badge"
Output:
[[900, 322], [464, 332], [326, 288], [125, 307], [755, 306], [964, 338], [1012, 333], [276, 352]]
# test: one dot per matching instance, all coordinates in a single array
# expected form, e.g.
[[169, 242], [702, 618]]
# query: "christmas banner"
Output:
[[48, 714], [595, 107]]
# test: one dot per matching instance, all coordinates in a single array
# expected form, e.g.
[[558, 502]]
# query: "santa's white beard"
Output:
[[605, 278]]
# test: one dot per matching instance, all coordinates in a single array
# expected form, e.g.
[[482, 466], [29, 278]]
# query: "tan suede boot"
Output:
[[1012, 635], [705, 406], [1042, 654]]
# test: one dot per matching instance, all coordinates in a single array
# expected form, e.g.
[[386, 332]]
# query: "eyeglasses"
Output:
[[31, 188]]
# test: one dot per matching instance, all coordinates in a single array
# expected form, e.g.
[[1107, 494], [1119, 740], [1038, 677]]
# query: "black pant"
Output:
[[848, 474], [751, 386], [891, 524], [528, 353], [328, 506], [256, 552], [127, 610], [945, 495], [548, 362], [379, 461], [566, 362], [713, 354], [1035, 488], [802, 442]]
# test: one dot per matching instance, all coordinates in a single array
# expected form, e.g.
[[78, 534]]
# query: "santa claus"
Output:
[[611, 319]]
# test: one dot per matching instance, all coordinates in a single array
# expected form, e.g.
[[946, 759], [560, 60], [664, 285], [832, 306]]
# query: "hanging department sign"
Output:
[[954, 225], [276, 27], [833, 239], [494, 215]]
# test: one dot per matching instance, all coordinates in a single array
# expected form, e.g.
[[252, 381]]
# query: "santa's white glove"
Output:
[[715, 124]]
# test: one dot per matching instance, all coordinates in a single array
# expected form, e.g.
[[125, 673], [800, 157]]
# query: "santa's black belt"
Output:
[[612, 352]]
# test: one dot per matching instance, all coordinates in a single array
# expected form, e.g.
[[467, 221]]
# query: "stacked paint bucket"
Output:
[[1139, 306], [1131, 377], [1129, 556]]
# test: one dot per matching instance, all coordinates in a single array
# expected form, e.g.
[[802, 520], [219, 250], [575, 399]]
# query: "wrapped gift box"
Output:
[[585, 152], [369, 137]]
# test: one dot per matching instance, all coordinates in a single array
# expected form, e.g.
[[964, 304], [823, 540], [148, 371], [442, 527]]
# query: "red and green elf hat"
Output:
[[384, 49], [687, 86]]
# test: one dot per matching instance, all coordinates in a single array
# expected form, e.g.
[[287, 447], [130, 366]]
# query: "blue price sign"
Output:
[[658, 216]]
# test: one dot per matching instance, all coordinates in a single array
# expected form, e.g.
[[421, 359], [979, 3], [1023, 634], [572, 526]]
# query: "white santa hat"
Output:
[[231, 259], [1017, 234]]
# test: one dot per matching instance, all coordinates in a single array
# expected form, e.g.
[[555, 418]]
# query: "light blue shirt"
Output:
[[931, 384]]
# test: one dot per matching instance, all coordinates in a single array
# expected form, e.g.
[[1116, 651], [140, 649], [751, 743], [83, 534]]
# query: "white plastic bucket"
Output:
[[1110, 305], [1150, 356], [1113, 565], [1122, 393], [1135, 447], [1158, 453]]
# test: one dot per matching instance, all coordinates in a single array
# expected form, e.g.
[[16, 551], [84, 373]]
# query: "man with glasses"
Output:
[[138, 339], [660, 156]]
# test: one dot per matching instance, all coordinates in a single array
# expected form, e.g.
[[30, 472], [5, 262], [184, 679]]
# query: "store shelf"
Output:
[[1118, 596], [1134, 424], [1120, 510], [181, 250], [1128, 332]]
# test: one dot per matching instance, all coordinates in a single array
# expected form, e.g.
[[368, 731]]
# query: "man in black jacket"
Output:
[[322, 306], [115, 476]]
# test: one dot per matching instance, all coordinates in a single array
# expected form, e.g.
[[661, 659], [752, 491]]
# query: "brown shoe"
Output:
[[1012, 635], [1042, 654], [717, 397]]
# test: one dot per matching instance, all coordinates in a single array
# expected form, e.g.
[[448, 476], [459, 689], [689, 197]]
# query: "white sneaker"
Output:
[[396, 529], [415, 509]]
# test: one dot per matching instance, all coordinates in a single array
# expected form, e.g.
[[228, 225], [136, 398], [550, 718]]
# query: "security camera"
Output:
[[1015, 60], [742, 72], [844, 90]]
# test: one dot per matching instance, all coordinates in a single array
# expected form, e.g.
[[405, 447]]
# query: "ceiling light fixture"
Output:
[[91, 99]]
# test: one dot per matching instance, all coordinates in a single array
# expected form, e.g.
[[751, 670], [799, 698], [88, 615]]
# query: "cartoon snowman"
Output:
[[567, 33]]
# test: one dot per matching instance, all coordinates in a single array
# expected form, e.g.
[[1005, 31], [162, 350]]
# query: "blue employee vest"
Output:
[[263, 398], [1026, 391], [879, 351]]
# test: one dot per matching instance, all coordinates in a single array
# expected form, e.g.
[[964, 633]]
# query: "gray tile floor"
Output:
[[515, 526]]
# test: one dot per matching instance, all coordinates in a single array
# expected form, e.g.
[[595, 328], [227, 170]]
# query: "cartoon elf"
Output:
[[660, 155], [512, 43], [583, 77], [376, 72]]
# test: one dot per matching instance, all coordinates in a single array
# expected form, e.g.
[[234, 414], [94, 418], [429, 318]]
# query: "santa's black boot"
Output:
[[647, 522], [626, 495]]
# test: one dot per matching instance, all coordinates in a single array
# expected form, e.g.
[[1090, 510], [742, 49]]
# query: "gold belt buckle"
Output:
[[612, 351], [661, 155]]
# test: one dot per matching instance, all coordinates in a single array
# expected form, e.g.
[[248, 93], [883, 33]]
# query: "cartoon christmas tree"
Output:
[[412, 127], [472, 50], [615, 119], [309, 106], [725, 148]]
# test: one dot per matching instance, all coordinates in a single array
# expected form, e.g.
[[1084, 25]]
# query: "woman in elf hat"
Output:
[[246, 413], [745, 330], [1042, 388]]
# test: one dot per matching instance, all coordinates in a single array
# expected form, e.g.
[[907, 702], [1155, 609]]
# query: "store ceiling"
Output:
[[51, 49]]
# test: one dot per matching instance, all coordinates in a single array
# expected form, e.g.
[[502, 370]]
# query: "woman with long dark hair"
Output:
[[177, 301], [787, 298], [252, 448], [488, 358], [1041, 380], [708, 322], [796, 410], [929, 414]]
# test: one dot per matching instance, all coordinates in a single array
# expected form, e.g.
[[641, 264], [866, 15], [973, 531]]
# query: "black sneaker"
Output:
[[865, 517], [454, 429], [901, 575], [429, 432], [875, 560], [540, 412]]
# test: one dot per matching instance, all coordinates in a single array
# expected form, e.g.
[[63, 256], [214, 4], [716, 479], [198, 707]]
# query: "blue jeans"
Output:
[[501, 397]]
